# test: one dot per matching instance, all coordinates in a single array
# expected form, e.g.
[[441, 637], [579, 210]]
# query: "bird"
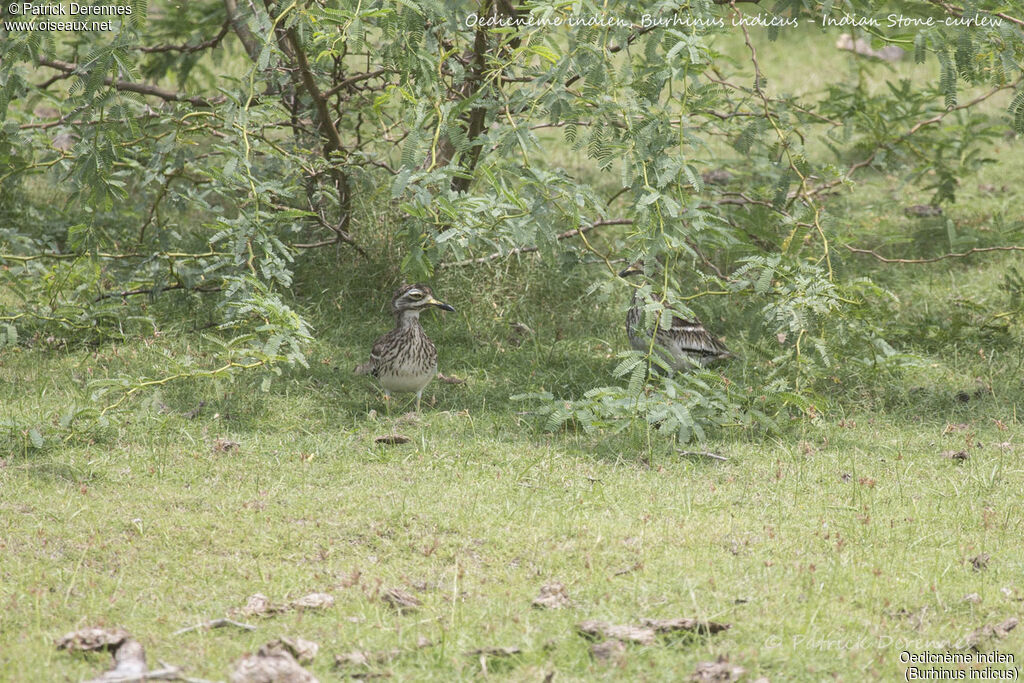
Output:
[[683, 345], [405, 360]]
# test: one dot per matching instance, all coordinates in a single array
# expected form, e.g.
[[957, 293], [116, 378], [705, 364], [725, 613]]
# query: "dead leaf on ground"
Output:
[[1010, 594], [313, 601], [718, 670], [980, 561], [260, 605], [225, 445], [354, 658], [552, 596], [685, 624], [973, 598], [88, 639], [129, 655], [916, 617], [401, 600], [194, 413], [990, 631], [364, 658], [922, 211], [303, 650], [608, 650], [958, 456], [495, 651], [130, 664], [408, 419], [423, 641], [392, 439], [450, 379], [602, 629], [519, 332], [277, 667]]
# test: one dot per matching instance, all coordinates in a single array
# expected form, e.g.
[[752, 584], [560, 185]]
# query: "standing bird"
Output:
[[404, 359], [685, 344]]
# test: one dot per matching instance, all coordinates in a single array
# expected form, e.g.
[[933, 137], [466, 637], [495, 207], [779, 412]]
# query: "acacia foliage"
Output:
[[202, 148]]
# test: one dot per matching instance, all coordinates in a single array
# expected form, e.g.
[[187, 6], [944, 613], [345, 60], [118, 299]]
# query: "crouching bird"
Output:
[[684, 344], [405, 360]]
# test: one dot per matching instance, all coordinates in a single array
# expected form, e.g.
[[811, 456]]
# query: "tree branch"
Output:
[[527, 250], [866, 161], [129, 86], [352, 80], [186, 48], [151, 290], [958, 11], [242, 30]]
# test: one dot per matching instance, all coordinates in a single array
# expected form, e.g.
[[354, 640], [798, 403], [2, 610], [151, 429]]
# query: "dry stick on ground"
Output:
[[215, 623], [706, 454], [975, 250], [527, 250]]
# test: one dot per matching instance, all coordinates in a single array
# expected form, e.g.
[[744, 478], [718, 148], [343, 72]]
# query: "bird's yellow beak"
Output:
[[440, 304]]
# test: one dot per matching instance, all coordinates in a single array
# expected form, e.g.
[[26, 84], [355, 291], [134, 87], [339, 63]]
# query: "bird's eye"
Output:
[[416, 294]]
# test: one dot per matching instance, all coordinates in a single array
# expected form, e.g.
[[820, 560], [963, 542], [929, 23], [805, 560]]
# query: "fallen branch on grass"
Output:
[[215, 623], [975, 250], [705, 454]]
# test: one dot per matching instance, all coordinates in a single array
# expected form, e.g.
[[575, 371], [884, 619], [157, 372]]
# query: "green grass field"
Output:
[[830, 547]]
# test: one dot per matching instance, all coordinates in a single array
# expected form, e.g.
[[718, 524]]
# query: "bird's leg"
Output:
[[419, 395]]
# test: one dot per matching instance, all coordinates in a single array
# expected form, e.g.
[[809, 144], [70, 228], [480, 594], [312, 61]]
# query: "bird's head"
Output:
[[636, 268], [416, 298]]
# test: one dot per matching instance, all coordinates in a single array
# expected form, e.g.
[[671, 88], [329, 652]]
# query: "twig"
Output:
[[975, 250], [150, 290], [913, 129], [804, 191], [352, 80], [186, 48], [215, 623], [706, 454], [627, 570], [526, 250], [129, 86], [953, 9]]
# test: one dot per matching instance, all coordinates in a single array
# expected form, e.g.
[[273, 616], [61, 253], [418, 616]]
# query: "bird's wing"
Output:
[[694, 338], [377, 353]]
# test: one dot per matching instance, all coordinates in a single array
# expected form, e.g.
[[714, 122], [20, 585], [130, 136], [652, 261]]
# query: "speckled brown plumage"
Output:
[[404, 359], [683, 345]]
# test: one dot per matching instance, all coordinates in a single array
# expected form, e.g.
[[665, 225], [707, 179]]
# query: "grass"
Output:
[[830, 547]]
